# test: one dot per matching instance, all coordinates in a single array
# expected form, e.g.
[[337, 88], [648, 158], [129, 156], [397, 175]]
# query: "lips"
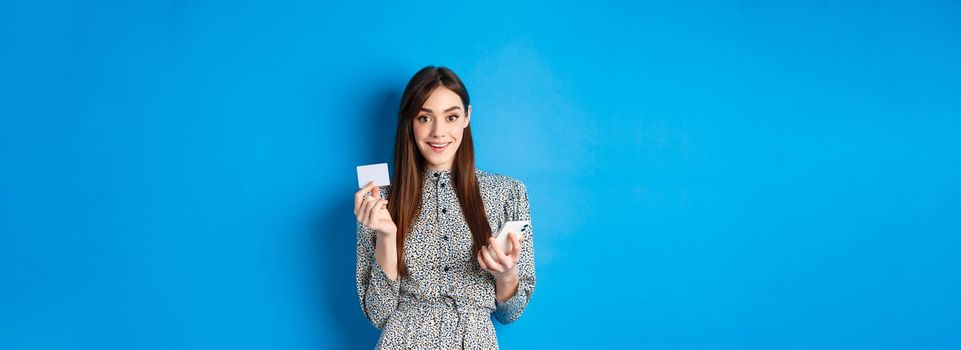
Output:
[[438, 147]]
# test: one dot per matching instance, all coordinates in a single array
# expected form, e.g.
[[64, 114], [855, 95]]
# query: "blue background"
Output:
[[703, 175]]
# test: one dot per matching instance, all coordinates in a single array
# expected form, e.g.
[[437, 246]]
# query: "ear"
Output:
[[467, 118]]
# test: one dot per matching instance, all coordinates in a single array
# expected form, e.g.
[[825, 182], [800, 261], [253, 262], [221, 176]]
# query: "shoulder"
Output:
[[494, 181]]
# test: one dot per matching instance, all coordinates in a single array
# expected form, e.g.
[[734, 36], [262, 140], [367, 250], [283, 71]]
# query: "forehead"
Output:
[[442, 98]]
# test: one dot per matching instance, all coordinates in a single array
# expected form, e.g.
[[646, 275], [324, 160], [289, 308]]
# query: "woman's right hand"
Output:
[[371, 211]]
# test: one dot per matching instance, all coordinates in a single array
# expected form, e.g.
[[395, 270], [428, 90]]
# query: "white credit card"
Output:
[[374, 172]]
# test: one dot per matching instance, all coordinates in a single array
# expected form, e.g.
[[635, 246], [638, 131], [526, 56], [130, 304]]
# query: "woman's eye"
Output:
[[452, 117], [423, 118]]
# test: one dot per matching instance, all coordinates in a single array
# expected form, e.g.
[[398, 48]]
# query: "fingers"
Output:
[[375, 209], [375, 192], [484, 258], [359, 196], [480, 260], [497, 252], [362, 212], [515, 246], [489, 260], [365, 210]]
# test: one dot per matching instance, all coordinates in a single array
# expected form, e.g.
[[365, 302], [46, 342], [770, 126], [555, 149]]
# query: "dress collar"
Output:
[[433, 174]]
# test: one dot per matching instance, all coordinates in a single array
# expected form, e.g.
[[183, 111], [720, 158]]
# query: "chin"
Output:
[[433, 161]]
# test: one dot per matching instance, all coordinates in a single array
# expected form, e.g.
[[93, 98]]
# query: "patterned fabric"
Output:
[[447, 300]]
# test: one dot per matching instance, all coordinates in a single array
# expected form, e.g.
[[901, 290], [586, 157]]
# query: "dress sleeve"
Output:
[[378, 293], [518, 208]]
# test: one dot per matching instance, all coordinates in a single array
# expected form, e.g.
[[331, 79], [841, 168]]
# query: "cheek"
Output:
[[420, 132], [457, 132]]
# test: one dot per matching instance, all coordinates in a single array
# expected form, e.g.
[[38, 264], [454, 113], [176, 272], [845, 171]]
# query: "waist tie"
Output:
[[452, 313]]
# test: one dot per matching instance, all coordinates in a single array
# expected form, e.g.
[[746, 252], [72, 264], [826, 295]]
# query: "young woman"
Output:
[[428, 274]]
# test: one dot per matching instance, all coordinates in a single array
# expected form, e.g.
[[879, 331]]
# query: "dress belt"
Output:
[[462, 309], [446, 302]]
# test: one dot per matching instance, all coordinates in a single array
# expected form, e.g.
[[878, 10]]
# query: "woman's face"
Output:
[[438, 128]]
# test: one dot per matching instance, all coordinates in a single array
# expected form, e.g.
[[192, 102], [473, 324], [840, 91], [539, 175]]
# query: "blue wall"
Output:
[[703, 175]]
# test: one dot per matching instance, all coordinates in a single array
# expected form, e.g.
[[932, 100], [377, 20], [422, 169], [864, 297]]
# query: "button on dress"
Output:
[[447, 301]]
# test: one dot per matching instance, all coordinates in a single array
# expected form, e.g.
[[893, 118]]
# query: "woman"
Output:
[[428, 274]]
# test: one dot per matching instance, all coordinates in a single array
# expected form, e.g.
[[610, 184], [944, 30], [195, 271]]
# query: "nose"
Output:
[[437, 130]]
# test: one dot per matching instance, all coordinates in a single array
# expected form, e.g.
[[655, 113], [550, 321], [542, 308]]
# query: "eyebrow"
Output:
[[445, 111]]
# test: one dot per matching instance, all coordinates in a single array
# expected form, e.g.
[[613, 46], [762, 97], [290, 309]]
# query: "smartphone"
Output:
[[518, 227]]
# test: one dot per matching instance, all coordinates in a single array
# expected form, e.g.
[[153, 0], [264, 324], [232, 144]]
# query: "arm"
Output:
[[506, 288], [377, 291], [378, 286], [513, 295]]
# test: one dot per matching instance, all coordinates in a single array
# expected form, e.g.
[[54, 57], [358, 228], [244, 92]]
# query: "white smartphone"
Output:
[[518, 227]]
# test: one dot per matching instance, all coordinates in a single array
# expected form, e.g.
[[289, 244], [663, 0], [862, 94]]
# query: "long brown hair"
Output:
[[405, 193]]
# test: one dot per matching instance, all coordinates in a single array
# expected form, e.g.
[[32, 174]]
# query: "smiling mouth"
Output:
[[438, 147]]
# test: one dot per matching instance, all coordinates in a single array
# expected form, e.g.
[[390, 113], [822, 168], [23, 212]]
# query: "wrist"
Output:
[[386, 240], [506, 287], [386, 234], [508, 279]]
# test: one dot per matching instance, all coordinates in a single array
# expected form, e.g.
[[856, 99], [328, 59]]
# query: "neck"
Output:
[[439, 167]]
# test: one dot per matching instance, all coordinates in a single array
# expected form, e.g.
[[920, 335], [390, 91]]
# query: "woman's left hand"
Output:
[[501, 265]]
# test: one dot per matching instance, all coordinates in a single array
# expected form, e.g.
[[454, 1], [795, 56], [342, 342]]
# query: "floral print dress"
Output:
[[447, 301]]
